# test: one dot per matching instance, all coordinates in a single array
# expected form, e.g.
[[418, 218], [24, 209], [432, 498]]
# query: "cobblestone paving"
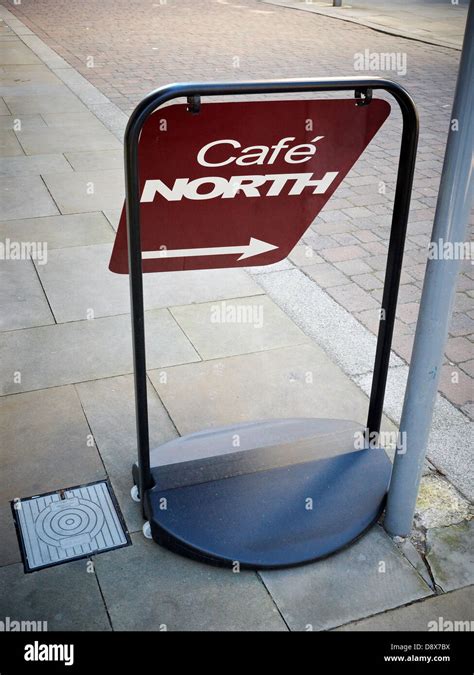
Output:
[[127, 47]]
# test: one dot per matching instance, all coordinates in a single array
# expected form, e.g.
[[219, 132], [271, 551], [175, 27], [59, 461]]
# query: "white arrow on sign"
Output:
[[254, 247]]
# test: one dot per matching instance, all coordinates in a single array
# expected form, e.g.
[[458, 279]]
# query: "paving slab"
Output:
[[86, 121], [9, 550], [67, 597], [109, 406], [433, 614], [46, 443], [368, 577], [46, 446], [18, 87], [113, 216], [414, 557], [450, 554], [83, 191], [78, 280], [25, 197], [93, 161], [64, 102], [22, 298], [64, 138], [33, 165], [17, 53], [3, 108], [297, 381], [8, 122], [148, 588], [59, 231], [22, 75], [237, 326], [86, 350], [9, 145]]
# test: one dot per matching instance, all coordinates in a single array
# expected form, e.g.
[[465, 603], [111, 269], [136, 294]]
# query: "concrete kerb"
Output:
[[331, 12]]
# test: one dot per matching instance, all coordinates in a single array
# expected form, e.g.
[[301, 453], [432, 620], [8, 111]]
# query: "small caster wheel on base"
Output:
[[146, 529]]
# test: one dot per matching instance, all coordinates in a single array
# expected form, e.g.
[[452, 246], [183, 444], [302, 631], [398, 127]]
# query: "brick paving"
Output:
[[127, 47]]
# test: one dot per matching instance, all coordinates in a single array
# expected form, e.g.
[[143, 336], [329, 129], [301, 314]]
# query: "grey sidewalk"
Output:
[[437, 22], [346, 246], [66, 376]]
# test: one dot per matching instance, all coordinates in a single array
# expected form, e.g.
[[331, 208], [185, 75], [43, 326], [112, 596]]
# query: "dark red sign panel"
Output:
[[238, 184]]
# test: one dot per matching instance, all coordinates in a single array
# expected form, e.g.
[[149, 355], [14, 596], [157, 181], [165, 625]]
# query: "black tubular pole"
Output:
[[136, 307], [397, 239], [401, 207]]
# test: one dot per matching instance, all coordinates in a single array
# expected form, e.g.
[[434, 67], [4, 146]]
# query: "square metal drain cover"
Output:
[[74, 523]]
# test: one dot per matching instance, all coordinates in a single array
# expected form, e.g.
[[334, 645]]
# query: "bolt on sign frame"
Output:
[[232, 507]]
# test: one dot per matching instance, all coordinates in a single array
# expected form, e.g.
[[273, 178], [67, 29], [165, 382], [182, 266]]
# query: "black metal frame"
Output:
[[363, 88]]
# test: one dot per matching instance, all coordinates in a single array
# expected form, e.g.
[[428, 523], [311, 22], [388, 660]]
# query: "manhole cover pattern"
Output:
[[55, 530], [70, 517]]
